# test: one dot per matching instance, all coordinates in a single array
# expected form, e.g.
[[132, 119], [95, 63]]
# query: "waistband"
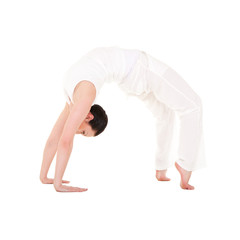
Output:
[[136, 82]]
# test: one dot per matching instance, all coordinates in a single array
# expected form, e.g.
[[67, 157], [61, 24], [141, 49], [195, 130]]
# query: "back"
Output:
[[100, 65]]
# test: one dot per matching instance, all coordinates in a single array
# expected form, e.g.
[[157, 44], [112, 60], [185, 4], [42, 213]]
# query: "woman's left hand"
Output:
[[51, 180]]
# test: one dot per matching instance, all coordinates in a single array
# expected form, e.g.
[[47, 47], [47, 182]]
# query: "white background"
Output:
[[39, 41]]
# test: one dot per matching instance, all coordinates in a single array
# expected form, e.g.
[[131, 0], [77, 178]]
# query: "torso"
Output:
[[109, 64]]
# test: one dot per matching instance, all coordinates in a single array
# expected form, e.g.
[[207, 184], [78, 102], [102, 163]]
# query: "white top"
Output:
[[100, 65]]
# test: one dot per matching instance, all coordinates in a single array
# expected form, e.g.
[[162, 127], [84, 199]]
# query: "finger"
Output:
[[65, 181], [49, 181], [76, 189], [83, 189], [72, 189]]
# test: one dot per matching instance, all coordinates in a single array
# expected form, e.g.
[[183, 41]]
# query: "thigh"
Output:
[[174, 79], [171, 89]]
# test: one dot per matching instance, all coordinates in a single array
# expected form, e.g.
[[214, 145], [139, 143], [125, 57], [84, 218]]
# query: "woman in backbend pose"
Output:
[[137, 73]]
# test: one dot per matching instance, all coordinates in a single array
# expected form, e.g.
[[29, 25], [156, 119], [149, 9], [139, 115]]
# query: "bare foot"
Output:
[[185, 176], [161, 175]]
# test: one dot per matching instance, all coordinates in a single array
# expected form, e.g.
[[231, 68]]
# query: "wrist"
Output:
[[43, 178], [57, 185], [43, 174]]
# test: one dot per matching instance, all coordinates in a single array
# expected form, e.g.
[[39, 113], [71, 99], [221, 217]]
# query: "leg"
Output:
[[164, 130], [190, 146], [170, 89], [185, 176], [52, 143], [165, 118], [186, 103]]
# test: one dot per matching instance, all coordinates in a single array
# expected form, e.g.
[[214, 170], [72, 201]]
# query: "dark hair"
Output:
[[100, 120]]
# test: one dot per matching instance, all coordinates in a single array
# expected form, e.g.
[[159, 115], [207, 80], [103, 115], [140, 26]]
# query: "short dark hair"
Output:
[[100, 120]]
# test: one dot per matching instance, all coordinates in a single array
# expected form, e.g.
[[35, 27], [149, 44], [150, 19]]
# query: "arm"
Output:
[[48, 155], [51, 146], [85, 96]]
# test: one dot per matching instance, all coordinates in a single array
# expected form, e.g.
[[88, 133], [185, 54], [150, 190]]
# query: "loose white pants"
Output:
[[169, 97]]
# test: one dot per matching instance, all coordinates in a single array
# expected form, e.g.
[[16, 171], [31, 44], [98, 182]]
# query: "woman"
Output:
[[137, 73]]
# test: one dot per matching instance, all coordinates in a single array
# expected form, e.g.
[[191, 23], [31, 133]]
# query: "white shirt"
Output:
[[100, 65]]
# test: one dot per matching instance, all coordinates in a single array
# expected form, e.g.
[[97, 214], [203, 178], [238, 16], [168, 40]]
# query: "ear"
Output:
[[89, 117]]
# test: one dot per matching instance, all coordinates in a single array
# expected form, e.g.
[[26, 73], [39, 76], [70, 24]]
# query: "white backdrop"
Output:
[[39, 41]]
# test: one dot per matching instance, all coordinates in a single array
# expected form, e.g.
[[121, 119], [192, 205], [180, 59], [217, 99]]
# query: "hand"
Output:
[[63, 188], [51, 180]]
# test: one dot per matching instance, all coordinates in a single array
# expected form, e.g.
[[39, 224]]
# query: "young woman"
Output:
[[166, 94]]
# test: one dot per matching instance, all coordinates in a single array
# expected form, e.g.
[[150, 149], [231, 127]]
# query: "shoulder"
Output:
[[84, 89]]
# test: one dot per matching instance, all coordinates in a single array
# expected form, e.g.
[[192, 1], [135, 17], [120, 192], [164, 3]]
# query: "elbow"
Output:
[[65, 143]]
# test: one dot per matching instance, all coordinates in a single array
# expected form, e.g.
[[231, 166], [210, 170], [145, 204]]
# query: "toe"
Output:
[[191, 187], [187, 186]]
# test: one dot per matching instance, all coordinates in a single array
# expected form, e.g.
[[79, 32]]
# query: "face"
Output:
[[85, 129]]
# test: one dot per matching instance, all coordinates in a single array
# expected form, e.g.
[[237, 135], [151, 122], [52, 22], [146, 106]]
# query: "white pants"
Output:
[[169, 97]]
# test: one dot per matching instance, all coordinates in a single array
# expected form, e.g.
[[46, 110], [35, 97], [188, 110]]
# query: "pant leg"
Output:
[[171, 89], [165, 122], [164, 131]]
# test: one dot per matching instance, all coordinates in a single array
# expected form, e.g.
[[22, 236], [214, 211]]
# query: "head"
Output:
[[95, 122]]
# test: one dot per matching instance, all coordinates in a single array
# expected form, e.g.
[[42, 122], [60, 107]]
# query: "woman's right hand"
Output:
[[64, 188]]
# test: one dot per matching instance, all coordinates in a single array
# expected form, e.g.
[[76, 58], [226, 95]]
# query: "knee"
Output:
[[198, 102], [195, 107], [199, 106]]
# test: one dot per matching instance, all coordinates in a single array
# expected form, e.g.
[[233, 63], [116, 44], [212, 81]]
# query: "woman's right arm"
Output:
[[79, 111]]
